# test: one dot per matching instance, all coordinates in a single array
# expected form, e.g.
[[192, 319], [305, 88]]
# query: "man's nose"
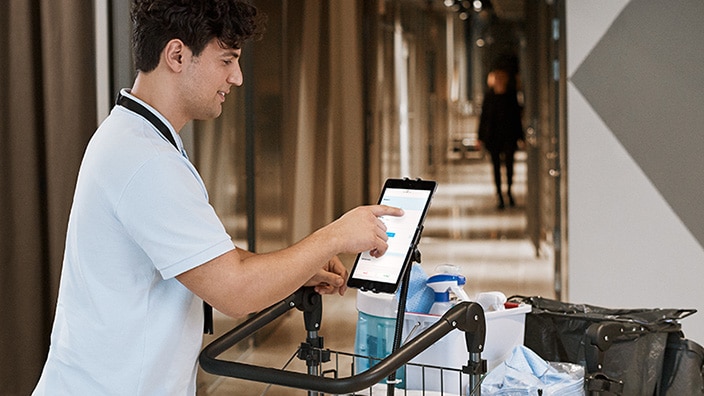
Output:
[[235, 78]]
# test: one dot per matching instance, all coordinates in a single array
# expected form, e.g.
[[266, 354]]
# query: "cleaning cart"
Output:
[[332, 372]]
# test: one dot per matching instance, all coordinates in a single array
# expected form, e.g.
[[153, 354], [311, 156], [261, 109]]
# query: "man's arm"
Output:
[[238, 283], [330, 279]]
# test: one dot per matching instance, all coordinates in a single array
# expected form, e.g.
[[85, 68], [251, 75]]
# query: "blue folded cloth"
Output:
[[420, 297], [526, 373]]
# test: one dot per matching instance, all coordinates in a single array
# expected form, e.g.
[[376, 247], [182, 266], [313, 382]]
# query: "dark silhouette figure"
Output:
[[500, 129]]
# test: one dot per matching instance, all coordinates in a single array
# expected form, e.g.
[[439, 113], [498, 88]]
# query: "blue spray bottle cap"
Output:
[[442, 284]]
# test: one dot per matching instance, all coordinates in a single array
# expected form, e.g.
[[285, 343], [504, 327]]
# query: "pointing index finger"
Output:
[[385, 210]]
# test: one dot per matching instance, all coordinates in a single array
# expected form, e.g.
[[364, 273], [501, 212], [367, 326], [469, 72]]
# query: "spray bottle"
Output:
[[443, 284]]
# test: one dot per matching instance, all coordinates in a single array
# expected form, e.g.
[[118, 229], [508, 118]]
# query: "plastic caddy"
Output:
[[504, 330], [624, 351]]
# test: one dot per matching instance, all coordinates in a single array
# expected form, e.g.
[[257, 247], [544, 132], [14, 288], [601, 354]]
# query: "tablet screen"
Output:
[[383, 274]]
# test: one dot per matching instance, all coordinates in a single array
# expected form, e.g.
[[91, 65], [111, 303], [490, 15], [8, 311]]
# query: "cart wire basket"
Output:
[[430, 380], [334, 372]]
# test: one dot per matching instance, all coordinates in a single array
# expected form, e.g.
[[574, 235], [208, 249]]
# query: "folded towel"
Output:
[[420, 297], [526, 373]]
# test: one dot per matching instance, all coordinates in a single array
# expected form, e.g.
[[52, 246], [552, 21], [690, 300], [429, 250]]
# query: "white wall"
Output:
[[628, 247]]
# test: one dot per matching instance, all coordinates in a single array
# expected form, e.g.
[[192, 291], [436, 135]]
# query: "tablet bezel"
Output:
[[384, 287]]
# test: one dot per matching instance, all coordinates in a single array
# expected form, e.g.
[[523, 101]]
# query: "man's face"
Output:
[[208, 78]]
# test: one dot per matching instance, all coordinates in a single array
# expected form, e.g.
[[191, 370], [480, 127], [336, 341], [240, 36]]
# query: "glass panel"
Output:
[[267, 72], [221, 146], [220, 158]]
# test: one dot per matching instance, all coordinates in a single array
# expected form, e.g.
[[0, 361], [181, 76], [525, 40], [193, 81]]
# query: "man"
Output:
[[144, 248]]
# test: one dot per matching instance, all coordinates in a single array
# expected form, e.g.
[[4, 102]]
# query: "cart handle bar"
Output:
[[466, 316]]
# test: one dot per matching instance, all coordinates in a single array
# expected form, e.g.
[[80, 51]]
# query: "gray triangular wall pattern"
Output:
[[645, 79]]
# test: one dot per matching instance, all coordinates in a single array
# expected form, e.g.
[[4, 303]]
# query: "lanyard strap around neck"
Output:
[[131, 104], [136, 107]]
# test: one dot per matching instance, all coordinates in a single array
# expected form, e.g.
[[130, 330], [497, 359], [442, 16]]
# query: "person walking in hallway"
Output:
[[144, 248], [501, 130]]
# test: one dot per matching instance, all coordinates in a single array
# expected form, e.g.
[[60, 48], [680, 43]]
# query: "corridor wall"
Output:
[[635, 155]]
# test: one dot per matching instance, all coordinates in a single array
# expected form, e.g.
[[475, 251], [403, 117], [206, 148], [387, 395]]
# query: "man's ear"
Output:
[[173, 54]]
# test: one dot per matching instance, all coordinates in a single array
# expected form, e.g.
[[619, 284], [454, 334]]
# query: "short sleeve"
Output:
[[165, 209]]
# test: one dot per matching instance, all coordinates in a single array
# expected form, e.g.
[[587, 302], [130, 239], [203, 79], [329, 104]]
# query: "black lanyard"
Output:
[[131, 104]]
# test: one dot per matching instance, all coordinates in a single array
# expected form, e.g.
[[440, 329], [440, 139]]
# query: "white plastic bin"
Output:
[[504, 330]]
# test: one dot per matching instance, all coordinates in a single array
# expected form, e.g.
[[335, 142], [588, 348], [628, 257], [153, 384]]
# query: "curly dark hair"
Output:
[[195, 22]]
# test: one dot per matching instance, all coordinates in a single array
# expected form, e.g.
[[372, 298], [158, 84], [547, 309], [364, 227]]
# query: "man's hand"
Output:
[[361, 229], [331, 278]]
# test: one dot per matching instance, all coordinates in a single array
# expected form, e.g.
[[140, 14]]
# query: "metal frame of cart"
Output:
[[466, 316]]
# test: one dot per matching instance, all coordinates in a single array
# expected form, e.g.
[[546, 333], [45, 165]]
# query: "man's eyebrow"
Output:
[[231, 52]]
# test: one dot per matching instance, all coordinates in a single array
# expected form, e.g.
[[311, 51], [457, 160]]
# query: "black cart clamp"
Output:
[[474, 327], [312, 350]]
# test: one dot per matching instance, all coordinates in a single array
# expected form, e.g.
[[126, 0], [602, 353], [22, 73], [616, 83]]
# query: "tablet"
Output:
[[383, 274]]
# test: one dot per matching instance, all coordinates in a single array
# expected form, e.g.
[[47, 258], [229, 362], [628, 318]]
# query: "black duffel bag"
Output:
[[683, 369], [623, 350]]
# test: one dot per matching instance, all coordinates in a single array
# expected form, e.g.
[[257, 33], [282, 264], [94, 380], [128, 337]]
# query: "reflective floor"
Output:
[[463, 228]]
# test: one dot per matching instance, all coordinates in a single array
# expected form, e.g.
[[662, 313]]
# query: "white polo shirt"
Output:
[[140, 216]]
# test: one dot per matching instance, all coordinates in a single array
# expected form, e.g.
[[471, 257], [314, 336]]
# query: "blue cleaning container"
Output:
[[376, 326]]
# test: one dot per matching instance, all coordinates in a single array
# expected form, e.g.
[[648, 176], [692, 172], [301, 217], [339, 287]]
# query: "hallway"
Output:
[[463, 228]]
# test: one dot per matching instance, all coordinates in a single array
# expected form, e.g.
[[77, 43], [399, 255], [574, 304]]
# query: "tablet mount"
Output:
[[403, 296]]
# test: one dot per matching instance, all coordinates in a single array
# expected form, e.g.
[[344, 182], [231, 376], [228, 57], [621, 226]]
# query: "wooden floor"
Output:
[[463, 228]]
